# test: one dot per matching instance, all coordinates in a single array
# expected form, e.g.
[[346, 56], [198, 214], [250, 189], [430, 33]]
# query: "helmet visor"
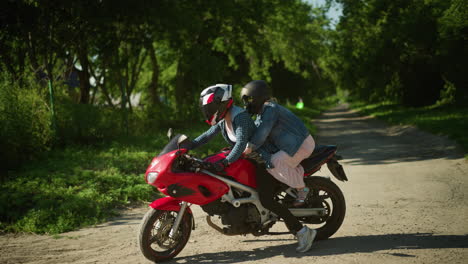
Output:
[[210, 113], [247, 100]]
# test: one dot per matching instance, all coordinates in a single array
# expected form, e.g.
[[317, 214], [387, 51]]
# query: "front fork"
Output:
[[180, 215]]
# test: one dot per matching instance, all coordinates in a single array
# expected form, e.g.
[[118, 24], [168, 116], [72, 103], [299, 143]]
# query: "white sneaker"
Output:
[[305, 238]]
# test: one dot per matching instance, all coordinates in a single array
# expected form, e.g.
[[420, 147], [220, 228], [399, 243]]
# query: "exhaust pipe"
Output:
[[217, 228], [303, 212]]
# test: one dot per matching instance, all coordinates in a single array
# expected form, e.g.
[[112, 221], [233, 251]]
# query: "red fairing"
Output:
[[167, 204], [195, 188], [242, 170]]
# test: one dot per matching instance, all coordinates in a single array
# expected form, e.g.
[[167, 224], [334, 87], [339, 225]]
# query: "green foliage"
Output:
[[453, 31], [401, 50], [24, 122], [75, 187], [82, 185], [87, 124], [98, 54], [447, 94]]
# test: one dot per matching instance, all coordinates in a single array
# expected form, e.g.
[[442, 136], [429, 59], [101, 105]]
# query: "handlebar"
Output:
[[198, 164]]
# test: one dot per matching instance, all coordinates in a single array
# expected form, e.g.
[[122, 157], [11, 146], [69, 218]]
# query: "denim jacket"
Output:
[[279, 127], [243, 127]]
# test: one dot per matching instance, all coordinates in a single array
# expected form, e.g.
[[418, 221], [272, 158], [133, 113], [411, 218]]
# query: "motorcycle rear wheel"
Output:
[[154, 240], [325, 194]]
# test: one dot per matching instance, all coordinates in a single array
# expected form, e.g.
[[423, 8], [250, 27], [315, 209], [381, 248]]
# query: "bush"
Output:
[[87, 124], [74, 187], [25, 122]]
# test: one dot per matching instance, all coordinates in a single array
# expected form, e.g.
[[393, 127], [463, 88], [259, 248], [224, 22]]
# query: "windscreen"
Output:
[[172, 145]]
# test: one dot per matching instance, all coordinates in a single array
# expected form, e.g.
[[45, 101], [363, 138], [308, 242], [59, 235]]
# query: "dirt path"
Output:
[[406, 204]]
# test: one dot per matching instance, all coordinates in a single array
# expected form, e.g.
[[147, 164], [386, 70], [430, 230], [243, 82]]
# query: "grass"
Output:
[[73, 187], [80, 185], [446, 120]]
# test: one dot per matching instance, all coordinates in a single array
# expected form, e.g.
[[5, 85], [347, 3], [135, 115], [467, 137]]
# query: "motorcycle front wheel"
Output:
[[154, 240]]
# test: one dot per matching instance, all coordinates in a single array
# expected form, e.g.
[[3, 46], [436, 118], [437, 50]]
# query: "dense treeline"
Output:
[[412, 52], [82, 63], [71, 71]]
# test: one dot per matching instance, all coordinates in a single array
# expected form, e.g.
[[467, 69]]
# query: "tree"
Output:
[[396, 50]]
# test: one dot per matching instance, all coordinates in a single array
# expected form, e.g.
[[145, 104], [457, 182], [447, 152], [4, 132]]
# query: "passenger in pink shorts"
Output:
[[282, 134], [287, 169]]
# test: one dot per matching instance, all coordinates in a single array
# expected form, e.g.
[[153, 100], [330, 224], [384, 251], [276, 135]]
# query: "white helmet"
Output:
[[215, 101]]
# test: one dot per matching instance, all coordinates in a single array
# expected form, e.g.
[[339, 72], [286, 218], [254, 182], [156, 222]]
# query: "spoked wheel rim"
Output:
[[324, 194], [155, 243], [319, 198], [159, 237]]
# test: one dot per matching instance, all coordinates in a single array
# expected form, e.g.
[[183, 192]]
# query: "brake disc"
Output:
[[163, 228]]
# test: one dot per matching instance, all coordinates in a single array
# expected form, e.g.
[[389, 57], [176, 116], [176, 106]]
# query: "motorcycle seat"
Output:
[[319, 156]]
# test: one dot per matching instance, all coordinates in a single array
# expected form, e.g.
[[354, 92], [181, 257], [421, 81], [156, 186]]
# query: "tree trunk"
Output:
[[8, 64], [85, 86], [100, 85], [136, 68], [153, 86], [36, 67], [182, 94], [106, 95]]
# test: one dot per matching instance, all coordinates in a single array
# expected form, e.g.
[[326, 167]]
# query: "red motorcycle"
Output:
[[232, 196]]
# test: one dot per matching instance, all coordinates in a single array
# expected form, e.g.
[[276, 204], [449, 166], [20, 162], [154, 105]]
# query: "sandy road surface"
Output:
[[406, 199]]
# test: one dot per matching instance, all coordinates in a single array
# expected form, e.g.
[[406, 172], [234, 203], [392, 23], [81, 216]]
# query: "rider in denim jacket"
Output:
[[278, 126], [285, 129], [287, 138]]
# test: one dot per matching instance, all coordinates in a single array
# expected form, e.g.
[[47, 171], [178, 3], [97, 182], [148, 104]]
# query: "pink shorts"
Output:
[[287, 169]]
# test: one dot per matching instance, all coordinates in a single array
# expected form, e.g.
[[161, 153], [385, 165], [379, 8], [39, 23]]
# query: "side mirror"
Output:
[[169, 133], [181, 139]]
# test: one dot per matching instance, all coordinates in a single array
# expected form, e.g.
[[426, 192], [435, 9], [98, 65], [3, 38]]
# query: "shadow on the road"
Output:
[[372, 243], [369, 141], [336, 246], [133, 219]]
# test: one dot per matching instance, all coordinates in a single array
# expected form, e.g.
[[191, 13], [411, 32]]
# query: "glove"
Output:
[[221, 165], [216, 166]]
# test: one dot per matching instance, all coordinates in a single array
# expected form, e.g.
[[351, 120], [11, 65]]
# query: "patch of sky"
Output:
[[334, 12]]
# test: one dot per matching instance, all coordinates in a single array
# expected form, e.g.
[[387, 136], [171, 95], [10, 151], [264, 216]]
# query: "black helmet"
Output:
[[215, 101], [254, 94]]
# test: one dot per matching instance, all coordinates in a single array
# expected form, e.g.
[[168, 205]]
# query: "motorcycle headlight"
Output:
[[151, 178]]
